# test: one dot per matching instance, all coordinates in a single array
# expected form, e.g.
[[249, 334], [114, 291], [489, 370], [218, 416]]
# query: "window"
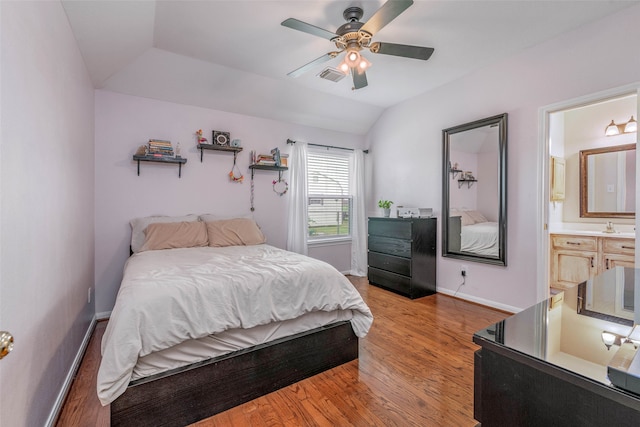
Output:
[[329, 204]]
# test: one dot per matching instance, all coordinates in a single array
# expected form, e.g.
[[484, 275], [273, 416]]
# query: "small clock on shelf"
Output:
[[221, 138]]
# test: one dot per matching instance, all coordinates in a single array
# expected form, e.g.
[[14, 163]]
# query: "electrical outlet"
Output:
[[463, 270], [89, 296]]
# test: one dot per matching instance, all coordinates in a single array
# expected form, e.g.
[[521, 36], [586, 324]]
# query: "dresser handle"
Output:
[[606, 264], [592, 262], [628, 247], [573, 243]]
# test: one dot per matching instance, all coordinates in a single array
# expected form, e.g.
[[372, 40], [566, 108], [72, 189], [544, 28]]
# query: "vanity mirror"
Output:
[[608, 182], [474, 191]]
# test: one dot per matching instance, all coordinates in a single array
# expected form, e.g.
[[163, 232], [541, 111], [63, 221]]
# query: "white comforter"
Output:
[[174, 295], [480, 238]]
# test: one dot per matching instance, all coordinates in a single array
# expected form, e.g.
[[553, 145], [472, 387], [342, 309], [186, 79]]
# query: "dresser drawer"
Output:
[[619, 246], [390, 246], [399, 229], [579, 243], [390, 263], [389, 280]]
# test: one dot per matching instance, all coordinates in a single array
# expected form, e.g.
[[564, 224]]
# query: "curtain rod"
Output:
[[289, 141]]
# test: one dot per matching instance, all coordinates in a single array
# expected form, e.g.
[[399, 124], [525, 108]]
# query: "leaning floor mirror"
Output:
[[474, 191]]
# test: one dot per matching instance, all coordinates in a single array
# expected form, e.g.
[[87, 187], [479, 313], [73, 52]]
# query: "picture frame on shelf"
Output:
[[221, 138]]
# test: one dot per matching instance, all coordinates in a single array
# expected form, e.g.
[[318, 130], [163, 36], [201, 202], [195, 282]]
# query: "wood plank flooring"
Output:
[[415, 369]]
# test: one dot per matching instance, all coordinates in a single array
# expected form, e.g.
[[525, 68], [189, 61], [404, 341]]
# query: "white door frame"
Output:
[[542, 288]]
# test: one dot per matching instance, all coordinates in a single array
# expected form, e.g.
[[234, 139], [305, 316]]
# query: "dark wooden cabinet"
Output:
[[402, 255], [531, 371]]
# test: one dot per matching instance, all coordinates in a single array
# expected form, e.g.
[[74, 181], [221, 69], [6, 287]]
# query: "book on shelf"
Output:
[[275, 153], [158, 147]]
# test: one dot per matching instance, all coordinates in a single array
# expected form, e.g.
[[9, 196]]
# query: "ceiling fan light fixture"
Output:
[[352, 58], [344, 68], [364, 64]]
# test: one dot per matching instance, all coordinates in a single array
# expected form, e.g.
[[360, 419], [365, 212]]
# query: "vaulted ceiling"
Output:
[[234, 55]]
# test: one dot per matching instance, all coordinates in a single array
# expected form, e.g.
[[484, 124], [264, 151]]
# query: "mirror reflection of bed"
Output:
[[473, 203], [467, 235]]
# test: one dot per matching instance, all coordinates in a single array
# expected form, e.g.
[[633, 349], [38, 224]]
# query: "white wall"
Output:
[[123, 123], [46, 215], [410, 135]]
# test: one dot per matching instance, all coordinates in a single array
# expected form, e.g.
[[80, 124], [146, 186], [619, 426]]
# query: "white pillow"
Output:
[[139, 225]]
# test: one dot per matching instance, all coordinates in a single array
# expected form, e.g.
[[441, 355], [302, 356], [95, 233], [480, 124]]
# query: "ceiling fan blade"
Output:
[[306, 67], [308, 28], [359, 79], [387, 13], [405, 50]]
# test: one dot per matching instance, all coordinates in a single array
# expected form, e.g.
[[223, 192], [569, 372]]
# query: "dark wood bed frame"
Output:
[[189, 394]]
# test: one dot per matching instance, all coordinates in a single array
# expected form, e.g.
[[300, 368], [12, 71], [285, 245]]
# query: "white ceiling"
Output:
[[234, 55]]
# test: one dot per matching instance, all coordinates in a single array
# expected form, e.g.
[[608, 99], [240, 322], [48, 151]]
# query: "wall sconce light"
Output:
[[616, 129]]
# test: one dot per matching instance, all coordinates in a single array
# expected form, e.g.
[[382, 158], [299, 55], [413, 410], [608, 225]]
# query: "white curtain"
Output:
[[358, 217], [297, 227]]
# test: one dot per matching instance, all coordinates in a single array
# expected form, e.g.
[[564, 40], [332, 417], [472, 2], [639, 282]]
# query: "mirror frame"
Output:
[[501, 121], [584, 179]]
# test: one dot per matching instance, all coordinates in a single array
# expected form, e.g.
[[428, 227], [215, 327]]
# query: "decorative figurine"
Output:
[[201, 139]]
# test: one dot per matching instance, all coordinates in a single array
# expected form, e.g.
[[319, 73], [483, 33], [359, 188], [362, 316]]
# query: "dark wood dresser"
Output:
[[402, 255], [548, 365]]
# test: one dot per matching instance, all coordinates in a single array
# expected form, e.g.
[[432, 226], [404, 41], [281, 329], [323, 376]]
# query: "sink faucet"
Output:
[[609, 227]]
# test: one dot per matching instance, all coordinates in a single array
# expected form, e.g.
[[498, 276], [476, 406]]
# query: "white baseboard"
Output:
[[66, 386], [481, 301], [103, 315]]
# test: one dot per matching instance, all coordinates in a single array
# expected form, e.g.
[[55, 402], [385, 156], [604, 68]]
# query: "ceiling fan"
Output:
[[355, 36]]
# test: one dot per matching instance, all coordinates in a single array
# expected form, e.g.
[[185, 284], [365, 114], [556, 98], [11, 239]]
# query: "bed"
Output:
[[470, 231], [197, 330]]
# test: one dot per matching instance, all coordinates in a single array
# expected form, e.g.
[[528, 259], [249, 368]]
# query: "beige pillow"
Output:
[[172, 235], [477, 217], [139, 225], [234, 232], [466, 219]]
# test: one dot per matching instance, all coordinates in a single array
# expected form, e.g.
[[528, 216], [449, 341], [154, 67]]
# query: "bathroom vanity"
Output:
[[578, 256]]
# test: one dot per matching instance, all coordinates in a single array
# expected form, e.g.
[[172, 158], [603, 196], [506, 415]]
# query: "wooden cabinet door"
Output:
[[610, 261], [569, 268]]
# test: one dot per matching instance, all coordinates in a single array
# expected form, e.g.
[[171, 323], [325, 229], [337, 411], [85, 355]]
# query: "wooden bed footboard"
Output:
[[185, 395]]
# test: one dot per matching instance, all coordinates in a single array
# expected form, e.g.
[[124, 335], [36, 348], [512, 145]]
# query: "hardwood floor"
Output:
[[415, 369]]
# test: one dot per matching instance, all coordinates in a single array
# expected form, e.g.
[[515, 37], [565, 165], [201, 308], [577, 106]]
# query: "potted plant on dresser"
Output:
[[386, 206]]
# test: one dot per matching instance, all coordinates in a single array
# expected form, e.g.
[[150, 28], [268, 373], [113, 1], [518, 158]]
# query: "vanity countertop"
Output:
[[591, 229], [618, 234]]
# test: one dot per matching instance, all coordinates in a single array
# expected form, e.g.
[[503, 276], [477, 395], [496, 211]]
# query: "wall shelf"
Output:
[[228, 149], [279, 169], [179, 160], [454, 173], [468, 181]]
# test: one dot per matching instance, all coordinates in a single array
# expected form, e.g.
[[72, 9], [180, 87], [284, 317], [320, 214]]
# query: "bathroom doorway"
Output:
[[571, 237]]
